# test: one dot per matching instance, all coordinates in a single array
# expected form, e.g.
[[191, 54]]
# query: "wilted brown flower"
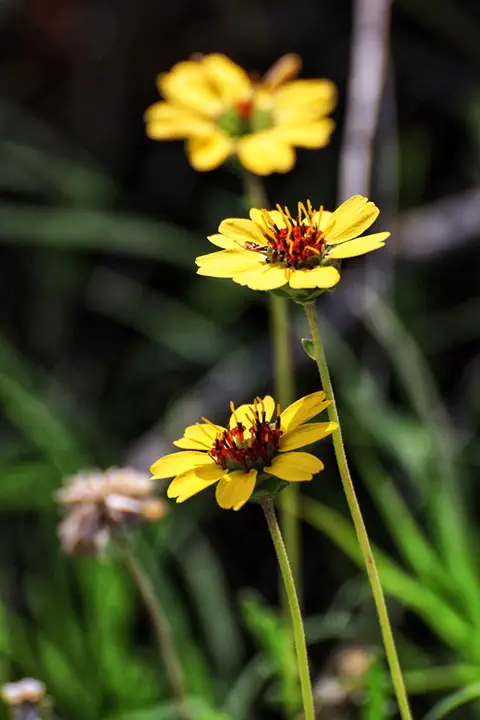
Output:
[[28, 691], [97, 500]]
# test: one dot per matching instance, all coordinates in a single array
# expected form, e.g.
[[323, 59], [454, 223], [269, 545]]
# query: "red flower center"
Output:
[[236, 449], [297, 246], [245, 108]]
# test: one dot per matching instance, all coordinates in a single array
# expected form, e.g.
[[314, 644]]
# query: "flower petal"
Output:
[[352, 217], [187, 84], [322, 219], [304, 100], [177, 463], [225, 263], [358, 246], [224, 242], [307, 135], [265, 152], [208, 152], [230, 81], [235, 489], [166, 121], [242, 230], [264, 277], [192, 482], [245, 413], [199, 437], [275, 216], [295, 466], [320, 277], [303, 409], [285, 68], [305, 435]]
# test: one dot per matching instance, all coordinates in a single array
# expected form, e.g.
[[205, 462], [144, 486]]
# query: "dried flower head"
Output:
[[28, 691], [95, 501], [223, 111]]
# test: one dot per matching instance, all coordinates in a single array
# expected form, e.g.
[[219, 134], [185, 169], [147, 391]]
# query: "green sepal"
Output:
[[307, 345], [267, 486], [301, 297]]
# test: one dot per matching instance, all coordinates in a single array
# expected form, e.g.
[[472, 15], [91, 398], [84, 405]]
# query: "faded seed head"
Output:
[[95, 501]]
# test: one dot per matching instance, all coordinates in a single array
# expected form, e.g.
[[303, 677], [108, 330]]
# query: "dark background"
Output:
[[110, 343]]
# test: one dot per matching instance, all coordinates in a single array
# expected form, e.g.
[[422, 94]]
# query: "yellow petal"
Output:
[[225, 263], [304, 100], [359, 246], [242, 230], [224, 242], [265, 277], [166, 121], [307, 135], [230, 81], [208, 152], [295, 467], [198, 437], [305, 435], [245, 413], [264, 153], [285, 68], [319, 277], [177, 463], [352, 218], [235, 489], [191, 482], [276, 218], [322, 219], [302, 410], [188, 85]]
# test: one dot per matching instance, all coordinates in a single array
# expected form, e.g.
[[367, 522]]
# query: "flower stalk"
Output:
[[359, 524], [284, 385], [294, 606], [168, 655]]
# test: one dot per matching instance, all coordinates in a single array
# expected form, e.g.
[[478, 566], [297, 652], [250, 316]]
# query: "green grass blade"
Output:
[[454, 701]]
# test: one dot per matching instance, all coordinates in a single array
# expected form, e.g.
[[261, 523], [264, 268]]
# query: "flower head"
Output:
[[96, 501], [222, 111], [27, 691], [275, 248], [252, 448]]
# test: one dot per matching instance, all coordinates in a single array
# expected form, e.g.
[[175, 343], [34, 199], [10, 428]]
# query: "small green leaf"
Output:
[[308, 347]]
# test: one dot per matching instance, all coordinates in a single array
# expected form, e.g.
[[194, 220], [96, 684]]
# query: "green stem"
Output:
[[360, 529], [283, 375], [168, 655], [295, 612]]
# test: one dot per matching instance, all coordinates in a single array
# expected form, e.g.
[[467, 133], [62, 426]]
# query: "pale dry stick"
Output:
[[367, 79], [368, 66]]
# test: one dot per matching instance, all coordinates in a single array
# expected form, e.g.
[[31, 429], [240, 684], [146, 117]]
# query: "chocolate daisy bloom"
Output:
[[275, 248], [222, 111], [96, 501], [253, 448]]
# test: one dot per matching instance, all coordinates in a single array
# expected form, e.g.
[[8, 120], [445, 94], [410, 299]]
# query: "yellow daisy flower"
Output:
[[252, 448], [274, 248], [221, 111]]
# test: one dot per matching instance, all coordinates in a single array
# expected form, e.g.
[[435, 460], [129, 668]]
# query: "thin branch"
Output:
[[368, 64]]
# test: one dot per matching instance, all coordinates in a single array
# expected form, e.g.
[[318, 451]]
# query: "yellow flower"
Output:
[[221, 111], [253, 445], [274, 248]]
